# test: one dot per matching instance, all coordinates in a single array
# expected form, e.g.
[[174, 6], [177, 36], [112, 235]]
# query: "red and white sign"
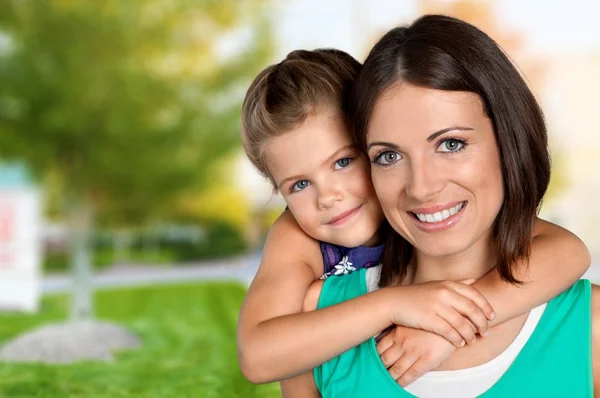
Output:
[[20, 248]]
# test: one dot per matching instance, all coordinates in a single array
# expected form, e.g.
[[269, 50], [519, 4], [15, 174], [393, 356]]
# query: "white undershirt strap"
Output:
[[470, 382]]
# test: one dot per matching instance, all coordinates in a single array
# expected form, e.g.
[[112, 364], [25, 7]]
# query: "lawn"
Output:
[[188, 337]]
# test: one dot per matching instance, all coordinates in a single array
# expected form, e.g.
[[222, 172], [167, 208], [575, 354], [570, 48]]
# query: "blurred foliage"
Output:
[[269, 216], [219, 239], [220, 202], [225, 202], [124, 105], [559, 181]]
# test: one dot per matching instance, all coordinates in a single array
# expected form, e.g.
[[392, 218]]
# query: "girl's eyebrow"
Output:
[[336, 153], [288, 179], [329, 159]]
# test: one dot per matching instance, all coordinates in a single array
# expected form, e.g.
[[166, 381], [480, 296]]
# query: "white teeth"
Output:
[[440, 216]]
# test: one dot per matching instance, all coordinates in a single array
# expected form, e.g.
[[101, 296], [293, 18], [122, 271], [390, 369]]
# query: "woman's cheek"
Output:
[[387, 185]]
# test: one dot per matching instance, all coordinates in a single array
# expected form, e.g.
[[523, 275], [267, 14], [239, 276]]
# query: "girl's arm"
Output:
[[277, 341], [558, 259]]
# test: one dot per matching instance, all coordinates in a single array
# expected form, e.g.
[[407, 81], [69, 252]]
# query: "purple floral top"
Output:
[[339, 260]]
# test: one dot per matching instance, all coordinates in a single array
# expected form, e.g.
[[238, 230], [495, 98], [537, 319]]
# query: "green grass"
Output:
[[189, 349]]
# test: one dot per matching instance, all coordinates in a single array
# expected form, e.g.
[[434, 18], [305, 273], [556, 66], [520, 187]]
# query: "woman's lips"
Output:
[[343, 217], [444, 224]]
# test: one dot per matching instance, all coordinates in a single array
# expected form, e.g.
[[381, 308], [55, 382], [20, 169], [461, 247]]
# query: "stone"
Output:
[[62, 343]]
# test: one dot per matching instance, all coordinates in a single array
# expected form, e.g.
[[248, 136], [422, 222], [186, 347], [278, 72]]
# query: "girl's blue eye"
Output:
[[300, 185], [342, 163], [451, 145], [387, 158]]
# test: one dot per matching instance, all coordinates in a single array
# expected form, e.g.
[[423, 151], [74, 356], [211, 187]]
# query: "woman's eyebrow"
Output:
[[442, 131], [429, 139], [382, 143]]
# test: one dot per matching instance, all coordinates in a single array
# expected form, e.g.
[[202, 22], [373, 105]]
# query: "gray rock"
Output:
[[69, 342]]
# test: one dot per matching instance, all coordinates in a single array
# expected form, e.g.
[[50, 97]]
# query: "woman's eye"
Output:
[[451, 145], [342, 163], [387, 158], [300, 185]]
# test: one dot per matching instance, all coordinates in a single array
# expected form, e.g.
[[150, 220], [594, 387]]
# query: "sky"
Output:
[[549, 25]]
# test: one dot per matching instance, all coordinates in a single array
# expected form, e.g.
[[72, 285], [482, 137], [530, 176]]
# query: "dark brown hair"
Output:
[[284, 95], [444, 53]]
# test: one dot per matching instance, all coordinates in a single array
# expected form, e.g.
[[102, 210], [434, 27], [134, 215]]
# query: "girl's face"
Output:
[[325, 181], [436, 168]]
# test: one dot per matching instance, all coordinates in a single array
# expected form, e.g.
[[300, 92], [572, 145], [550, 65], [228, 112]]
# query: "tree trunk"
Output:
[[122, 239], [80, 220]]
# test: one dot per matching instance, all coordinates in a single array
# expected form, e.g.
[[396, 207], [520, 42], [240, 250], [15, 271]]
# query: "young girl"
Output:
[[295, 131]]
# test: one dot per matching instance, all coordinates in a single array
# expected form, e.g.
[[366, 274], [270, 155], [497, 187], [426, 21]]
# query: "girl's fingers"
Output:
[[392, 355], [418, 369], [476, 297], [459, 323], [444, 329], [385, 343], [469, 311], [402, 365]]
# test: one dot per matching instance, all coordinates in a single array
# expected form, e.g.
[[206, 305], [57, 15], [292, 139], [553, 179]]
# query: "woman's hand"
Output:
[[410, 353], [454, 310]]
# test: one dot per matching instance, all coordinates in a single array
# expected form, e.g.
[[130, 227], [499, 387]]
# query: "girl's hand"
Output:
[[454, 310], [410, 353]]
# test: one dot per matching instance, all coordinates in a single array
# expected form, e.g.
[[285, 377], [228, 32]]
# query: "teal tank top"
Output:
[[555, 362]]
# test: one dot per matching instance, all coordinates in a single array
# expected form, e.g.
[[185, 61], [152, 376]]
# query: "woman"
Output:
[[459, 157]]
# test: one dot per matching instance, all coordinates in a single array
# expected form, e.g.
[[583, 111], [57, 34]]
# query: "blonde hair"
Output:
[[284, 95]]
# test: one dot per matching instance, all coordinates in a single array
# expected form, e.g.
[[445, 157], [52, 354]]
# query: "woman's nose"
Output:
[[425, 182]]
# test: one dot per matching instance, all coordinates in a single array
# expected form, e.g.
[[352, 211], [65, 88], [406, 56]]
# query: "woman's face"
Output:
[[435, 168]]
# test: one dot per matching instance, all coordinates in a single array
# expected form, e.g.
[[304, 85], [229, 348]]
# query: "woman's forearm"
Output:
[[292, 344]]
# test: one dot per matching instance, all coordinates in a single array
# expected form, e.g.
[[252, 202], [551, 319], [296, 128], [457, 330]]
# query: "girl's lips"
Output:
[[441, 225], [343, 217]]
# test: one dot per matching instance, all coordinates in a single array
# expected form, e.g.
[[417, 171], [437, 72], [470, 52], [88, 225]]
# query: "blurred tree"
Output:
[[123, 105], [222, 200]]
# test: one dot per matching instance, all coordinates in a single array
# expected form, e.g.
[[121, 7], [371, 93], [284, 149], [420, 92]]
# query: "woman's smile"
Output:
[[439, 217]]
